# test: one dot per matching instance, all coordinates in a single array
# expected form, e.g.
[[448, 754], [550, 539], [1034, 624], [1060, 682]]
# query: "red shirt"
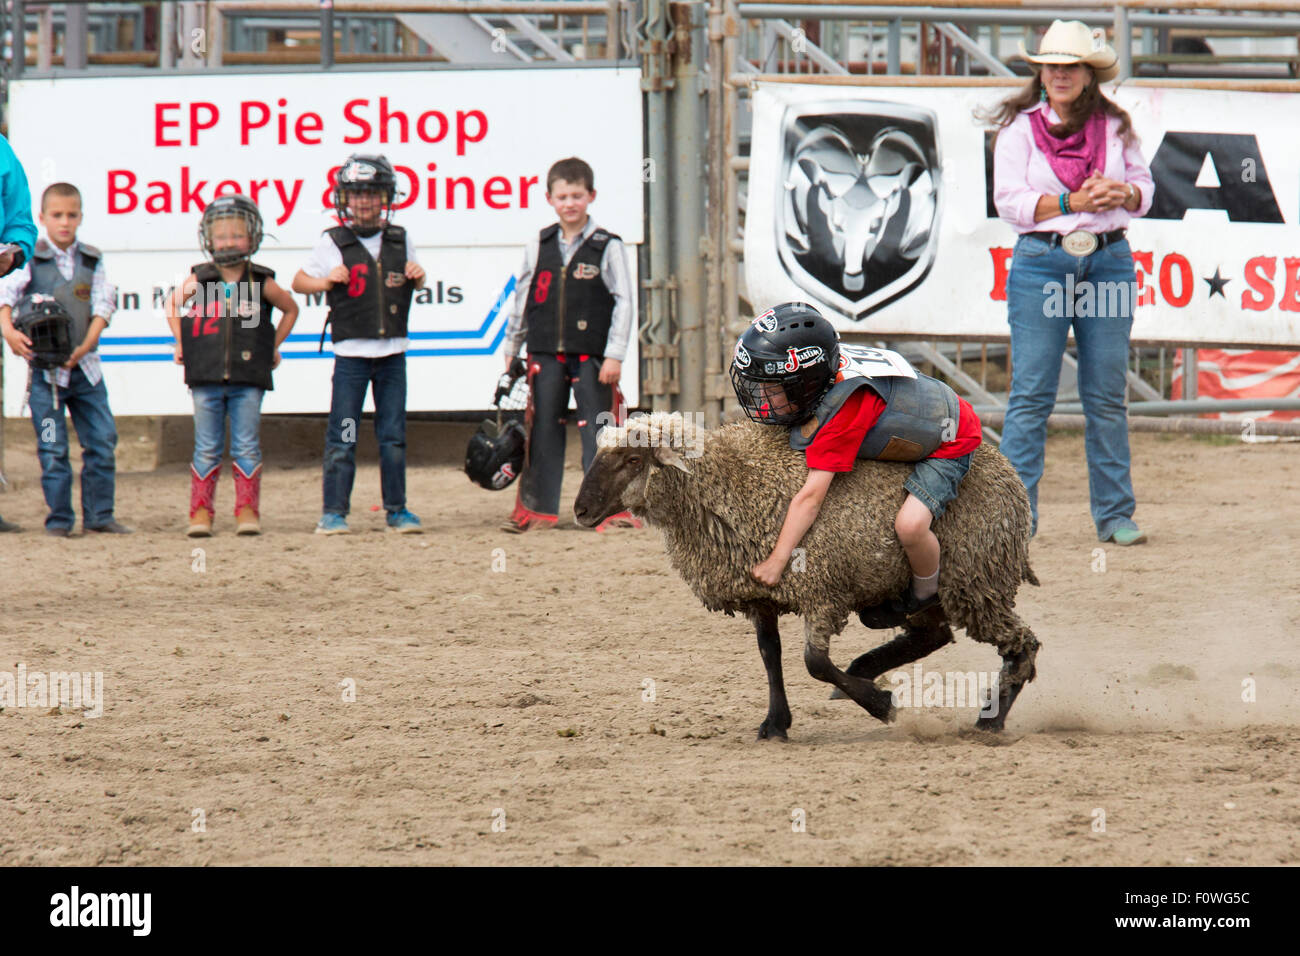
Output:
[[836, 446]]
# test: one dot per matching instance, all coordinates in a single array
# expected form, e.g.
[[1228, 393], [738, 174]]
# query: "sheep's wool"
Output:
[[722, 516]]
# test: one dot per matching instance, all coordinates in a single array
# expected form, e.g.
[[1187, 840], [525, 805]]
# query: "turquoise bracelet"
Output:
[[1064, 201]]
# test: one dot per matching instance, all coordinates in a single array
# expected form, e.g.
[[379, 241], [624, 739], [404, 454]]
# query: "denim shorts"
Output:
[[935, 481]]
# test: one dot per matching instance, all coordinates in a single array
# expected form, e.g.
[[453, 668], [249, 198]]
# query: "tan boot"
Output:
[[248, 491], [202, 493]]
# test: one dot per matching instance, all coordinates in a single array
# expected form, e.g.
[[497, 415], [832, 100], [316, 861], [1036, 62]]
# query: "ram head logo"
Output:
[[858, 202]]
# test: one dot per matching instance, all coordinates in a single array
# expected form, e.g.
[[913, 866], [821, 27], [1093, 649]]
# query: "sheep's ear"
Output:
[[667, 455]]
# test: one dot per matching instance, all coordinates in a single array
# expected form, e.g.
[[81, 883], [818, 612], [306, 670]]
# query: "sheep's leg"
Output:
[[777, 721], [1018, 654], [917, 641], [817, 657]]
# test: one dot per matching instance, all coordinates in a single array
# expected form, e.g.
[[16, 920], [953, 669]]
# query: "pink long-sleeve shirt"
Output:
[[1021, 175]]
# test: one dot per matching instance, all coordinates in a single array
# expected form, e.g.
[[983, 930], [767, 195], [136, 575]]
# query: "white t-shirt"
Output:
[[324, 257]]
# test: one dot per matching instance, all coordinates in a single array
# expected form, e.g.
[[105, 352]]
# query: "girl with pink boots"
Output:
[[220, 317]]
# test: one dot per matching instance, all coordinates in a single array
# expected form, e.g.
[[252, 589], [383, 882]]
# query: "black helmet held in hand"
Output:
[[237, 207], [365, 174], [784, 363], [43, 320], [495, 455]]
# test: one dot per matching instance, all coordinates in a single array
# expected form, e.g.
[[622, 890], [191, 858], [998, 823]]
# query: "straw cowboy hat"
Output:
[[1070, 41]]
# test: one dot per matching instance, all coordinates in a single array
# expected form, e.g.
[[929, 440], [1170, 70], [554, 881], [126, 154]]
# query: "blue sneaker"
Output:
[[403, 522], [331, 523]]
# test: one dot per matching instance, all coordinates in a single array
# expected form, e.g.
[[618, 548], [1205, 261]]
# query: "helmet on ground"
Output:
[[365, 175], [784, 363], [43, 320], [239, 208], [495, 455]]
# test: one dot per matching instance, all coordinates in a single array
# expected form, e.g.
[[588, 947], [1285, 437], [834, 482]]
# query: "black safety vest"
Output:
[[569, 308], [375, 300], [73, 294], [228, 339], [918, 412]]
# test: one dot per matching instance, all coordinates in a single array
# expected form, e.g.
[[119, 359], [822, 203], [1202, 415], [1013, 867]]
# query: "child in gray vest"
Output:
[[73, 273]]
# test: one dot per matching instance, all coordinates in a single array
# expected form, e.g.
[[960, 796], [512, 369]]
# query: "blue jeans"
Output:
[[88, 405], [1048, 290], [935, 482], [212, 403], [352, 376]]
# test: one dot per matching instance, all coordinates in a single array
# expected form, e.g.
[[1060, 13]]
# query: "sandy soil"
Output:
[[516, 697]]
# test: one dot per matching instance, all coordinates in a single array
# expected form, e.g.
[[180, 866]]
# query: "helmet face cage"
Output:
[[48, 325], [786, 400], [230, 207], [784, 364], [370, 175]]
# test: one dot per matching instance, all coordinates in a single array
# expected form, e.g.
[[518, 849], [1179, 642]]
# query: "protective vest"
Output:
[[227, 336], [73, 294], [569, 309], [920, 413], [376, 299]]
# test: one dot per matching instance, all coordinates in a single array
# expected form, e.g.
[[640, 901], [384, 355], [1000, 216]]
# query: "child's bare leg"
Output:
[[920, 544]]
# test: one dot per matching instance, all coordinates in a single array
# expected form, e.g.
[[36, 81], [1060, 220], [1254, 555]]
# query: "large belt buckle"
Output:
[[1080, 243]]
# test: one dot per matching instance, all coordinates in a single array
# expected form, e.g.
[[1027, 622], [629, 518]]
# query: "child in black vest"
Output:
[[73, 273], [221, 319], [573, 307], [366, 267]]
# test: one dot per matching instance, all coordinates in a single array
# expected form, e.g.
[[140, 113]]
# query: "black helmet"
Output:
[[43, 320], [495, 455], [365, 174], [784, 363], [235, 206]]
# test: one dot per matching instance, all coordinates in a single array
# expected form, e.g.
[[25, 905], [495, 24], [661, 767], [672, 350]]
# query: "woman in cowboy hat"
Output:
[[1068, 176]]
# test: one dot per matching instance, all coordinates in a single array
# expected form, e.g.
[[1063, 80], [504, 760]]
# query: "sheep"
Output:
[[720, 497]]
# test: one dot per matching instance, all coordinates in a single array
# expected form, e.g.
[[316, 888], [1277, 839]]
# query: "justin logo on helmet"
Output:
[[808, 355]]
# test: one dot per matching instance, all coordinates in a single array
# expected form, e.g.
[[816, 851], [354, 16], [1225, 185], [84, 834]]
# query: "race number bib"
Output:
[[873, 363]]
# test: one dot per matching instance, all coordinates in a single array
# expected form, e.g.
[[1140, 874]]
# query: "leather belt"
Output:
[[1103, 239]]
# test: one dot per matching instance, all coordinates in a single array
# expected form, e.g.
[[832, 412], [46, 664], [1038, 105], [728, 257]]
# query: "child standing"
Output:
[[73, 273], [844, 403], [573, 305], [366, 267], [220, 317]]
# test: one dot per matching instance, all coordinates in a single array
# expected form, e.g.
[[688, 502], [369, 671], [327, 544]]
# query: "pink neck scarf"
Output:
[[1078, 155]]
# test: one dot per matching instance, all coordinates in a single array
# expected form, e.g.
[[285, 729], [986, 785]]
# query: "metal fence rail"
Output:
[[74, 37]]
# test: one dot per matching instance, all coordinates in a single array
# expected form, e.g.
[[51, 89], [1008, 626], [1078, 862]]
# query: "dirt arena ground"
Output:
[[486, 698]]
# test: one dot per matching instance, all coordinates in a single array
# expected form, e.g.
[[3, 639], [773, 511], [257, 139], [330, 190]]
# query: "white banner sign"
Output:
[[875, 205], [471, 151]]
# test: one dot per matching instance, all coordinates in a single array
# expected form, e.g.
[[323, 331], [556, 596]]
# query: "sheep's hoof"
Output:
[[768, 730], [880, 704], [993, 725]]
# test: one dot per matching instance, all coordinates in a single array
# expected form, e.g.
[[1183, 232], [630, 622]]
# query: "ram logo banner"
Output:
[[875, 203], [858, 201]]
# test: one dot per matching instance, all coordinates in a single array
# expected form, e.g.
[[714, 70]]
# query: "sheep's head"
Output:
[[627, 457]]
